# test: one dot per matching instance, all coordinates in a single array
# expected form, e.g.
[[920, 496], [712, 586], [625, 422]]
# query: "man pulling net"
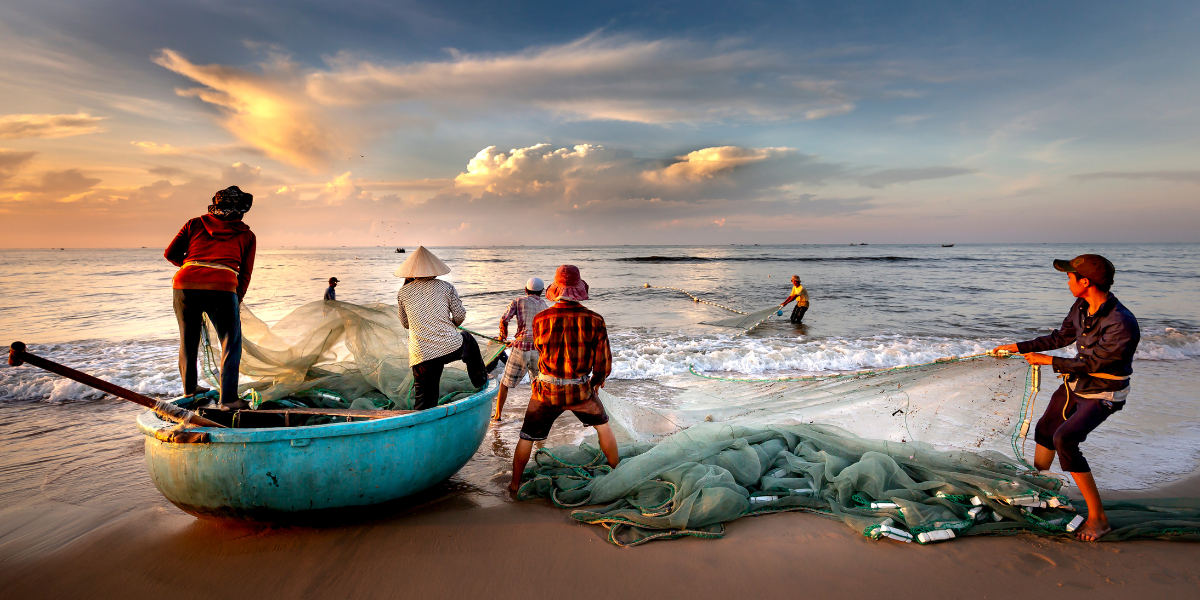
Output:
[[1096, 381]]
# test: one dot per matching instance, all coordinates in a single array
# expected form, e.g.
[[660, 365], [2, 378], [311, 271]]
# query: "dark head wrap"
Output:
[[230, 203]]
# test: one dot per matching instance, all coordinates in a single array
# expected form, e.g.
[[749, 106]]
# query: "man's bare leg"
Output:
[[520, 459], [1096, 524], [501, 396], [1042, 457], [608, 444]]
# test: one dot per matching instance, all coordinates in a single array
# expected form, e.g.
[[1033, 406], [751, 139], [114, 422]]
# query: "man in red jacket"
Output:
[[215, 253]]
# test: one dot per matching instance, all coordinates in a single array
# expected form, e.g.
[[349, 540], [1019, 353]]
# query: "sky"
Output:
[[363, 123]]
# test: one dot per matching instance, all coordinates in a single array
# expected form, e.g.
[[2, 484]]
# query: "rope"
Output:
[[721, 306], [943, 360], [477, 334], [695, 299], [1032, 385]]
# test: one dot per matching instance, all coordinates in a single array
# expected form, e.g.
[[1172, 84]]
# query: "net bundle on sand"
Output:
[[921, 454], [329, 354]]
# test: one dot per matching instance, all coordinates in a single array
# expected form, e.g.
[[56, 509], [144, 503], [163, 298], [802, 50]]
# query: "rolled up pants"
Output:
[[224, 311], [1063, 435], [427, 375], [798, 314]]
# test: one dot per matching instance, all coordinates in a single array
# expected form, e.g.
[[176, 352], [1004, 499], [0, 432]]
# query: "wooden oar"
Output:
[[167, 410]]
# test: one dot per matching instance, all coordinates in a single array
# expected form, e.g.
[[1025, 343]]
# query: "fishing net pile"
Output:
[[329, 354], [914, 454]]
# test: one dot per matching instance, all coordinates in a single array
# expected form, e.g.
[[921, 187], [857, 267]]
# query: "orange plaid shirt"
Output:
[[572, 342]]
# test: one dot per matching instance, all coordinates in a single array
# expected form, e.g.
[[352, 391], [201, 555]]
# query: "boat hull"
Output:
[[273, 474]]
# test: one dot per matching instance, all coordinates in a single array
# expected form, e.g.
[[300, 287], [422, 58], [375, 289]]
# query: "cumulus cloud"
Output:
[[610, 78], [886, 177], [589, 172], [1179, 176], [708, 163], [48, 126], [267, 110]]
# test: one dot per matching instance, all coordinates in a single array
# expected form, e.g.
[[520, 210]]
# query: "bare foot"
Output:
[[514, 489], [495, 416], [1092, 531]]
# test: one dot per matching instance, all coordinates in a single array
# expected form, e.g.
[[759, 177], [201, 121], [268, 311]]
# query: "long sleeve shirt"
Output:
[[214, 255], [431, 311], [1106, 342], [524, 310], [572, 343]]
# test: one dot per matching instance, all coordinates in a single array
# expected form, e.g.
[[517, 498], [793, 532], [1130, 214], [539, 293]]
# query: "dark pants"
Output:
[[798, 313], [427, 375], [224, 311], [1064, 435]]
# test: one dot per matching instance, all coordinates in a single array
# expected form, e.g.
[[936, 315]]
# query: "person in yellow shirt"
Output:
[[800, 295]]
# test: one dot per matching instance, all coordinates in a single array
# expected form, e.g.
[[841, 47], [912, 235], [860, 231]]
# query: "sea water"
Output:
[[108, 313]]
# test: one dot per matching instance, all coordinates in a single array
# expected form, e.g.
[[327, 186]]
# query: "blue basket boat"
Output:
[[273, 474]]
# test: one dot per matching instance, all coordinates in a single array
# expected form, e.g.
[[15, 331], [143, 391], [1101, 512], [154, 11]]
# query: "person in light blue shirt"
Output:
[[331, 292]]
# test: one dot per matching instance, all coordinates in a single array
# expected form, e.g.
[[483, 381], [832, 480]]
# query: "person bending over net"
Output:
[[524, 357], [431, 311], [574, 358], [800, 295], [1096, 380], [215, 256]]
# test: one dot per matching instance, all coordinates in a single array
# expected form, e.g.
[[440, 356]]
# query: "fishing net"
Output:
[[915, 454], [332, 355], [746, 321]]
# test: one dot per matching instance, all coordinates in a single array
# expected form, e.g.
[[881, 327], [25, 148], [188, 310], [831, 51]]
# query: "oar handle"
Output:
[[17, 356]]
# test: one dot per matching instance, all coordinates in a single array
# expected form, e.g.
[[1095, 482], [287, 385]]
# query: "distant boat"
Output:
[[947, 245], [399, 250]]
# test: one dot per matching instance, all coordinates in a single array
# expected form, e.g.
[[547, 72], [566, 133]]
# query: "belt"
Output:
[[197, 263], [1107, 376], [560, 381]]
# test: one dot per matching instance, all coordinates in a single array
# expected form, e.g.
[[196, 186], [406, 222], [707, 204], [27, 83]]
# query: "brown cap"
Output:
[[1094, 267]]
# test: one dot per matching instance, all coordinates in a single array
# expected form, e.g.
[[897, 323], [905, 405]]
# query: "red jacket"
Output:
[[207, 239]]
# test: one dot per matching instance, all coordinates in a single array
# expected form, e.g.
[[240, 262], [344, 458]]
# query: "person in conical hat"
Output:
[[431, 311]]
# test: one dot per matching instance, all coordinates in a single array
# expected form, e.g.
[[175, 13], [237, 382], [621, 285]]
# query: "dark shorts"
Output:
[[539, 417], [1064, 435]]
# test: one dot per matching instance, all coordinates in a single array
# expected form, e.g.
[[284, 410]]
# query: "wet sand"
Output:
[[99, 529]]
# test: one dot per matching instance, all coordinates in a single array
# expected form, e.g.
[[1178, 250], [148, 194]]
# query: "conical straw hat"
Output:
[[422, 263]]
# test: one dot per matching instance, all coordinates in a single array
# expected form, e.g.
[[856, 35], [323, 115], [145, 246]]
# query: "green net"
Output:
[[746, 321], [332, 355], [914, 454]]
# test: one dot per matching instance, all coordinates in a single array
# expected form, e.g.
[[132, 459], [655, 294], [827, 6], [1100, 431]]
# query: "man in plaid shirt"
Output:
[[522, 356], [573, 360]]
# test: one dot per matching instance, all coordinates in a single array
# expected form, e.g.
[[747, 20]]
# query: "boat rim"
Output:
[[148, 423]]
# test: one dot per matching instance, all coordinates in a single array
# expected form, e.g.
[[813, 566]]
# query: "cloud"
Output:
[[60, 186], [48, 126], [609, 78], [886, 177], [12, 161], [590, 172], [708, 163], [156, 148], [269, 111], [1179, 176]]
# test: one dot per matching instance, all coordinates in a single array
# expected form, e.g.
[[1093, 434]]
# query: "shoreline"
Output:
[[470, 537]]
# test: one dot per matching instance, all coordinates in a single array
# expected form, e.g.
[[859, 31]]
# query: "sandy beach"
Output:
[[469, 538]]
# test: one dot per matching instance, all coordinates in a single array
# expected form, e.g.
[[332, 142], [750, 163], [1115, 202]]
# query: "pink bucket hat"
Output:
[[568, 285]]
